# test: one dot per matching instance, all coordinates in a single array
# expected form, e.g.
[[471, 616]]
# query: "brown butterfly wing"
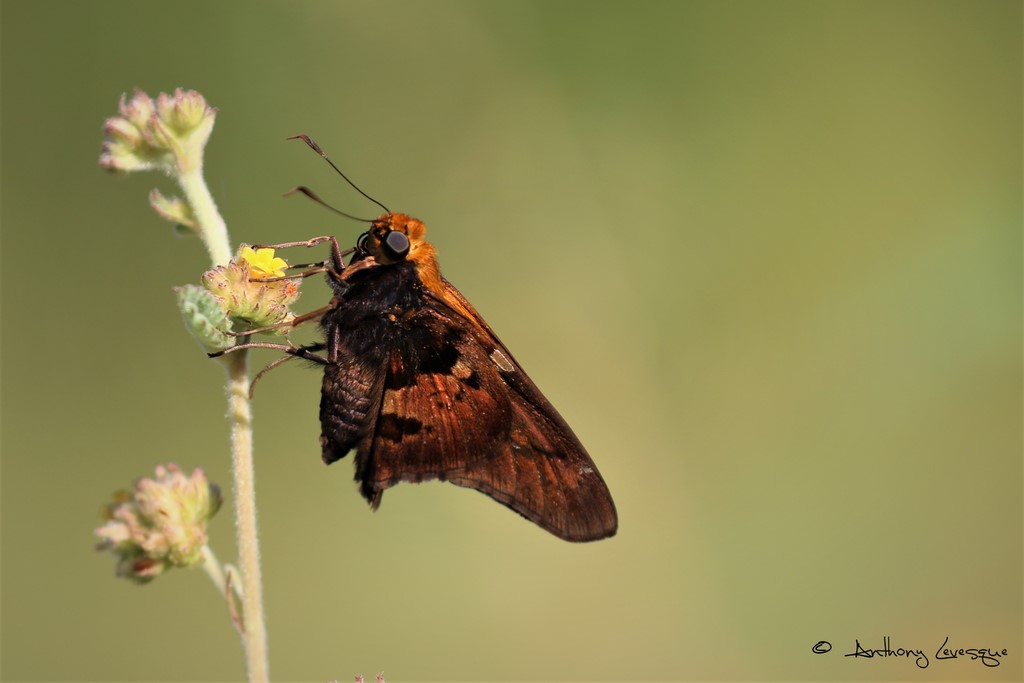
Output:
[[546, 476], [432, 417], [456, 406]]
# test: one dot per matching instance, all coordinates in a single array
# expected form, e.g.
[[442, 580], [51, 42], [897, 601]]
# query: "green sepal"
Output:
[[204, 317]]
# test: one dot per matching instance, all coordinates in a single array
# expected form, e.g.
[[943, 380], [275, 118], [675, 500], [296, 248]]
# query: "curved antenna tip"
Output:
[[316, 148], [302, 189]]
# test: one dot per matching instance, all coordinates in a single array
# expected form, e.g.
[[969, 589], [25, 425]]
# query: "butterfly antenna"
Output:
[[312, 195], [316, 148]]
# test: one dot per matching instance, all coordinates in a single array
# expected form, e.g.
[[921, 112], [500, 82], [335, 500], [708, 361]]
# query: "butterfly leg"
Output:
[[279, 361], [294, 322], [297, 351], [337, 254]]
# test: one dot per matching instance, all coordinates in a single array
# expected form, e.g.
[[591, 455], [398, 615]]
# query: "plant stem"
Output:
[[227, 587], [214, 233], [240, 418], [212, 228], [213, 569]]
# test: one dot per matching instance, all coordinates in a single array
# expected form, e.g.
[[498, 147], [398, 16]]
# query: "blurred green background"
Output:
[[764, 257]]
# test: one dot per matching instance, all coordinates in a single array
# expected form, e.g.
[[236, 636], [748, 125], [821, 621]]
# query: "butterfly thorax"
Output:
[[376, 300], [395, 240]]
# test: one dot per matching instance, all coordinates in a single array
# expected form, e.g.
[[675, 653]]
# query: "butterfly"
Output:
[[420, 387]]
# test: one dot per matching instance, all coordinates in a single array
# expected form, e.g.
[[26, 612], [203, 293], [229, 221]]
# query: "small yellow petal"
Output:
[[263, 263]]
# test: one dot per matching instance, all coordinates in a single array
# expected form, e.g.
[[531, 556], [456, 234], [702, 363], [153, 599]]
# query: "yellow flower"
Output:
[[247, 290], [263, 263]]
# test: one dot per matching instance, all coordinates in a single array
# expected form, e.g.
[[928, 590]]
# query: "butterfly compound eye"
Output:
[[395, 245]]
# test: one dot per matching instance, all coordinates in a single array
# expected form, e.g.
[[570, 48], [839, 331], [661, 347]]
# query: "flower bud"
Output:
[[167, 135], [161, 524], [174, 209], [247, 299]]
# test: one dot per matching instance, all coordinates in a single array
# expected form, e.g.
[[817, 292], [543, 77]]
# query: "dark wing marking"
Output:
[[443, 406]]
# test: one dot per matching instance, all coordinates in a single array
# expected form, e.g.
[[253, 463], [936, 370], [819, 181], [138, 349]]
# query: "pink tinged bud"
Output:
[[158, 134], [165, 106], [122, 130], [121, 157], [139, 109], [184, 111], [162, 525], [167, 135]]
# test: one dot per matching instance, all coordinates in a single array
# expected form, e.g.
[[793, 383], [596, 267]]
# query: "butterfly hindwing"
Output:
[[350, 402]]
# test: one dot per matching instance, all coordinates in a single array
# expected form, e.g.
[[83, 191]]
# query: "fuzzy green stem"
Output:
[[240, 418], [212, 228], [213, 569], [227, 576], [214, 233], [219, 574]]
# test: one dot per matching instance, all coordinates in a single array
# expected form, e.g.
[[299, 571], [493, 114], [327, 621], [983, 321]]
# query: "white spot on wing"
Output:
[[502, 361], [461, 371]]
